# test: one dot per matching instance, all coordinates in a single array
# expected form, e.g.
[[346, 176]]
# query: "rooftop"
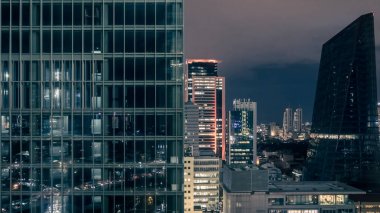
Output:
[[314, 186]]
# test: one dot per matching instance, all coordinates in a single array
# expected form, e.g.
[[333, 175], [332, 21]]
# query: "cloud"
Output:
[[275, 86]]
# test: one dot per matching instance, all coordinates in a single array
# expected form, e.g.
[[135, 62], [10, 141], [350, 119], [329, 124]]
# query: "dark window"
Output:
[[67, 41], [160, 96], [15, 42], [67, 14], [88, 14], [129, 99], [97, 40], [77, 14], [160, 69], [150, 41], [108, 42], [119, 41], [119, 14], [140, 97], [46, 42], [150, 14], [36, 42], [140, 13], [87, 38], [160, 14], [36, 14], [25, 14], [5, 14], [150, 68], [5, 41], [109, 14], [160, 41], [129, 14], [57, 41], [77, 41], [150, 97], [140, 69], [129, 70], [171, 14], [119, 70], [97, 14], [140, 41], [129, 41], [46, 14], [15, 14], [57, 14], [25, 41], [26, 73]]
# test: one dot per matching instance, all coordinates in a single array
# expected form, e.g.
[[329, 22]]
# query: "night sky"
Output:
[[270, 49]]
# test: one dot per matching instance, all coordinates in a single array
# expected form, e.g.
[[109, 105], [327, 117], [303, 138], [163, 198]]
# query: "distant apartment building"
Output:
[[287, 123], [297, 120]]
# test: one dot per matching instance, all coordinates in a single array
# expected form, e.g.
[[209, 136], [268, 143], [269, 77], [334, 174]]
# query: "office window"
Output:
[[5, 14], [36, 41], [46, 41], [5, 41], [25, 41], [77, 14], [129, 13], [87, 44], [46, 14], [57, 41], [36, 14], [119, 13], [25, 14], [77, 41], [57, 14], [119, 41], [129, 69], [67, 14], [140, 14], [150, 14], [67, 41], [15, 41], [15, 14]]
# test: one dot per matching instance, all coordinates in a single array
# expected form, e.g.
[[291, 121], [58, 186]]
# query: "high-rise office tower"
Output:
[[345, 115], [91, 106], [191, 130], [297, 120], [242, 133], [207, 90], [287, 123]]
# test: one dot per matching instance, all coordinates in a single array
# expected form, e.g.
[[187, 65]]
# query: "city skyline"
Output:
[[251, 61]]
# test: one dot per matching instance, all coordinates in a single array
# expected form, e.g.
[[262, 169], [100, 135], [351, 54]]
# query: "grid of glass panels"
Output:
[[91, 106]]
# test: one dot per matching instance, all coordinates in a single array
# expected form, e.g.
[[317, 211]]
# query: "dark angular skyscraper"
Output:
[[345, 116]]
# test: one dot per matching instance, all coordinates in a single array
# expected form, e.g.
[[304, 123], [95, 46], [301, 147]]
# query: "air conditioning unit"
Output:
[[174, 187], [96, 126], [173, 159]]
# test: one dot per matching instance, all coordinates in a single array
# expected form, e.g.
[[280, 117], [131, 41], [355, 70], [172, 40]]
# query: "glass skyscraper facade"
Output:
[[91, 103], [242, 146], [344, 127]]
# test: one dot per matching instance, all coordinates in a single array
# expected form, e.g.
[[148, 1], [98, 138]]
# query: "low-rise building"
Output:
[[201, 185], [249, 190]]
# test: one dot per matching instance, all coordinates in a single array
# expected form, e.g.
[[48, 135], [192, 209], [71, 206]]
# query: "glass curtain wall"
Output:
[[91, 106]]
